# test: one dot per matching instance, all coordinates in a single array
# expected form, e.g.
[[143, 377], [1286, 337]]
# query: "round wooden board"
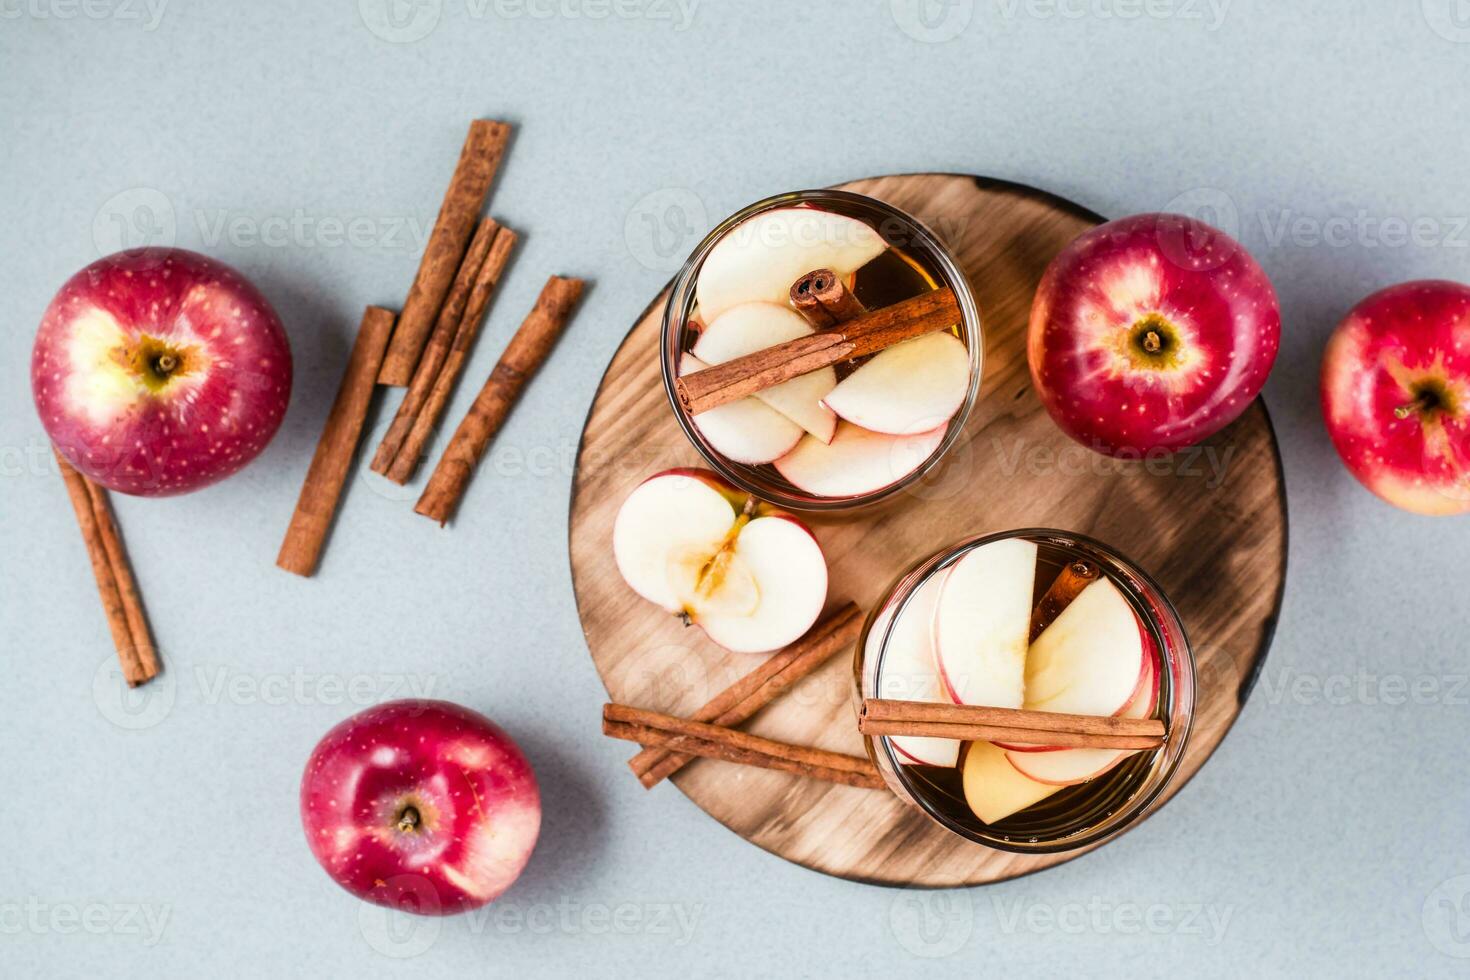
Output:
[[1210, 525]]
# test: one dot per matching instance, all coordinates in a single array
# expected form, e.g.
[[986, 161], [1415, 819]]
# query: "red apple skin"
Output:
[[1190, 285], [475, 797], [1396, 395], [131, 428]]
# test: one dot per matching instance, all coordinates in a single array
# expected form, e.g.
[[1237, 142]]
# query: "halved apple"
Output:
[[910, 672], [750, 327], [982, 622], [856, 461], [753, 578], [759, 259], [746, 431], [915, 386], [994, 789]]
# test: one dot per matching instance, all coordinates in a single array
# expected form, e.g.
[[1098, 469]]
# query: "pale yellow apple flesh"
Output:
[[994, 789], [915, 386], [983, 621], [746, 431]]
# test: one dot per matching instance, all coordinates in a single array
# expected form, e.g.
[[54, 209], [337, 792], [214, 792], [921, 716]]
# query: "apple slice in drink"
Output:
[[915, 386], [760, 258], [994, 789], [982, 621], [746, 431], [750, 327], [1091, 659], [752, 578], [856, 461], [909, 672]]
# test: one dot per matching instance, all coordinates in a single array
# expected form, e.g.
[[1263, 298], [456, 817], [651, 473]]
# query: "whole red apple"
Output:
[[1396, 395], [1151, 332], [423, 806], [158, 371]]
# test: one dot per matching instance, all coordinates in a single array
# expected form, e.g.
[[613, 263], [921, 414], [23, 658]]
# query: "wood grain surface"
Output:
[[1209, 524]]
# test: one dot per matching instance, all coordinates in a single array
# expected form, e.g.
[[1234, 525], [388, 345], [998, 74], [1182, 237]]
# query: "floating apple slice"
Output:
[[1090, 660], [982, 621], [856, 461], [910, 673], [759, 259], [746, 431], [1064, 766], [754, 579], [910, 387], [750, 327], [994, 789]]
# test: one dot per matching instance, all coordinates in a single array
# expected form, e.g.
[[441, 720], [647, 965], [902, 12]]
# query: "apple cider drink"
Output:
[[1040, 620], [841, 435]]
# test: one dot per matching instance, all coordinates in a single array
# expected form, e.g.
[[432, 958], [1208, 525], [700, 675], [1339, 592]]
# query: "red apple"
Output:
[[1396, 395], [423, 806], [158, 371], [1151, 332]]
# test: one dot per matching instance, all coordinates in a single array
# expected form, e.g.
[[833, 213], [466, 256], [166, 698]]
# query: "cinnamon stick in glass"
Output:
[[824, 299], [970, 722], [437, 348], [407, 461], [478, 160], [758, 688], [527, 350], [1068, 585], [307, 534], [117, 588], [867, 334]]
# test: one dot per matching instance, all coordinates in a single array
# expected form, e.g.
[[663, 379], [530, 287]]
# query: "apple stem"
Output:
[[166, 363], [1425, 400], [1152, 342], [408, 819]]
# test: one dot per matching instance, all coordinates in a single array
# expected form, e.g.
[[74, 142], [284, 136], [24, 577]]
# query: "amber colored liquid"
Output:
[[1080, 805]]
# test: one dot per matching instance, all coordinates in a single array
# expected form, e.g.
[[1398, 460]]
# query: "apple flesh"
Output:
[[753, 578], [422, 806], [913, 387], [1151, 332], [856, 461], [746, 431], [751, 327], [982, 622], [1091, 660], [759, 259], [158, 371], [1396, 395], [910, 672], [994, 789]]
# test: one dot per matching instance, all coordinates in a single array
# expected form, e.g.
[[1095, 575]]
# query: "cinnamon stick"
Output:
[[307, 533], [478, 160], [824, 299], [869, 333], [733, 745], [437, 348], [121, 604], [527, 350], [967, 722], [1068, 585], [412, 450], [758, 688]]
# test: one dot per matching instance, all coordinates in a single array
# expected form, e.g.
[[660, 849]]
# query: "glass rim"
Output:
[[679, 302]]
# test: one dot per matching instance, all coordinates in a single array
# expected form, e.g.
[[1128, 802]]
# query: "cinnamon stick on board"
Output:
[[478, 160], [1068, 585], [118, 590], [733, 745], [437, 348], [407, 461], [526, 352], [306, 535], [869, 333], [758, 688], [824, 299]]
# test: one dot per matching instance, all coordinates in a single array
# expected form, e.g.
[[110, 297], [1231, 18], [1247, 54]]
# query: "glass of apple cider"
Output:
[[840, 437], [978, 623]]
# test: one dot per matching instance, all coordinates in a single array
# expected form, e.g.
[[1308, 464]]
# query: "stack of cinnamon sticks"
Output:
[[426, 352]]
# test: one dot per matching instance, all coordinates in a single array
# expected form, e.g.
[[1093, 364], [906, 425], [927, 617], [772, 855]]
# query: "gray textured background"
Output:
[[161, 838]]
